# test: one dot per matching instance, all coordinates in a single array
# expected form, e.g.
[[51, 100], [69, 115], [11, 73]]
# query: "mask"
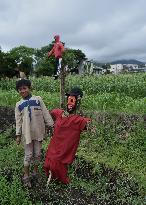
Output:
[[71, 104]]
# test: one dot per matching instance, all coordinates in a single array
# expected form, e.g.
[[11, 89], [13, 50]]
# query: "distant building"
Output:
[[91, 68], [142, 69], [131, 66], [86, 67], [98, 70], [116, 68]]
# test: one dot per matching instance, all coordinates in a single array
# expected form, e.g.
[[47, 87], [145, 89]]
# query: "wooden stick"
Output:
[[62, 87]]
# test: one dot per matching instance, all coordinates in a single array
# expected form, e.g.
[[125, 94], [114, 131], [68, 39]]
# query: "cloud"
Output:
[[105, 30]]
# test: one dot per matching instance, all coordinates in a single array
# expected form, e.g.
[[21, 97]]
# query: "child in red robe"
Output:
[[65, 140]]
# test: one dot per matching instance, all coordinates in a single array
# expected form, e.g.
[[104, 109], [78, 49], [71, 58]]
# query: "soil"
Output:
[[7, 118], [57, 193]]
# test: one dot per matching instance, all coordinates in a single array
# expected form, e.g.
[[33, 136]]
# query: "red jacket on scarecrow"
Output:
[[64, 143], [57, 49]]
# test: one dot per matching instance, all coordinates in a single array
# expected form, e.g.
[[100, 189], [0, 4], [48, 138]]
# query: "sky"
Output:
[[105, 30]]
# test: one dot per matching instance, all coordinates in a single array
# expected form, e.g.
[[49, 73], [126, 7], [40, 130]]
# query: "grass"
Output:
[[113, 156], [92, 181], [106, 102]]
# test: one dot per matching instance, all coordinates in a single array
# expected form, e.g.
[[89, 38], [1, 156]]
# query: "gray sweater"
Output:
[[31, 118]]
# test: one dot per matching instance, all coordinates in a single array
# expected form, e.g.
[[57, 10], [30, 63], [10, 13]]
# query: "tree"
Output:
[[8, 66], [24, 58], [1, 62], [72, 58], [45, 66]]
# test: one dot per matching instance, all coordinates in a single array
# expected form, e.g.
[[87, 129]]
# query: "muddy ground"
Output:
[[7, 118]]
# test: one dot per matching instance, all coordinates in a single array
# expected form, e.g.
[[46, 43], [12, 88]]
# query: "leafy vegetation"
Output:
[[132, 85], [110, 165]]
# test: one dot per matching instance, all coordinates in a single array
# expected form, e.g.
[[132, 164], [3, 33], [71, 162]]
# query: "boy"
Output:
[[31, 117], [65, 140]]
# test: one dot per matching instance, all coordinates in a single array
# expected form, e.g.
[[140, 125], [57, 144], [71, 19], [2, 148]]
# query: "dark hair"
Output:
[[76, 91], [23, 82]]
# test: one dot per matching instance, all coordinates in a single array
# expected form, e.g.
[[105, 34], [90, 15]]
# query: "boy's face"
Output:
[[24, 91]]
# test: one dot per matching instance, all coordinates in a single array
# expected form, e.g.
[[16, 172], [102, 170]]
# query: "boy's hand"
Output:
[[18, 139]]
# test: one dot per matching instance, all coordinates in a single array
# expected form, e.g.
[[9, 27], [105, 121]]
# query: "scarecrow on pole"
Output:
[[57, 51], [68, 125]]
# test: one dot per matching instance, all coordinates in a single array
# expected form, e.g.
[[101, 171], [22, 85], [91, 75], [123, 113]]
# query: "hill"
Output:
[[130, 61]]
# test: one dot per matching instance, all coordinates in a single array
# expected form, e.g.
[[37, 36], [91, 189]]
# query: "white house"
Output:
[[131, 66], [86, 67], [98, 70], [116, 68]]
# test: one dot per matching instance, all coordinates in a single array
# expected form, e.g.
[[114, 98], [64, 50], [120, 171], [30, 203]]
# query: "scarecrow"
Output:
[[57, 51], [65, 140]]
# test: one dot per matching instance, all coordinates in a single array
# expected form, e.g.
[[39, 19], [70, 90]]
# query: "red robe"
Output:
[[64, 143]]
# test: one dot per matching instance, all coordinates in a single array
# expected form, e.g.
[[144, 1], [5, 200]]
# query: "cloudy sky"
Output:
[[105, 30]]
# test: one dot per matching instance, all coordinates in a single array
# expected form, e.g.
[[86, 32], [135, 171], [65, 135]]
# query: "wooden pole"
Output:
[[62, 87]]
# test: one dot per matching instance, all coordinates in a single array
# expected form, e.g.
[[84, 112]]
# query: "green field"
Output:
[[111, 162]]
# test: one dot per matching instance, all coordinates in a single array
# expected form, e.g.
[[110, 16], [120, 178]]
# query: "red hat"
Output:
[[57, 37]]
